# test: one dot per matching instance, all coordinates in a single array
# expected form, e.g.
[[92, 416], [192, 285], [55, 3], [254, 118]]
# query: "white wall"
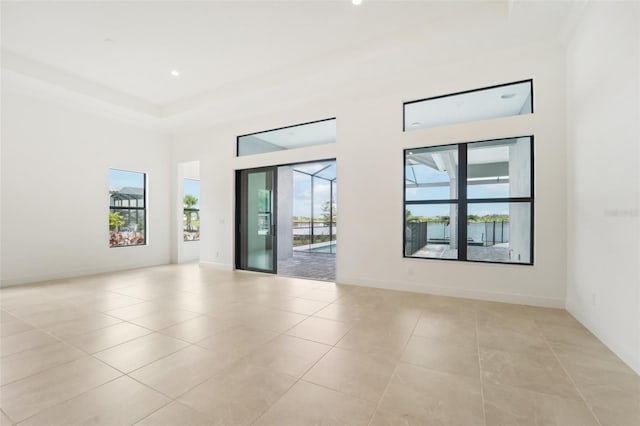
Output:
[[56, 157], [369, 157], [603, 91]]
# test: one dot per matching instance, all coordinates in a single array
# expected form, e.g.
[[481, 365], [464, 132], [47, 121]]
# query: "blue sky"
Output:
[[120, 178], [192, 187], [427, 174], [302, 195]]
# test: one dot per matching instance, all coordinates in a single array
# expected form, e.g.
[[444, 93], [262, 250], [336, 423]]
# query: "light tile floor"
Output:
[[190, 345]]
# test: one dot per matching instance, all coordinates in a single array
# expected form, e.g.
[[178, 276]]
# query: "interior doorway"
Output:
[[287, 220], [188, 212]]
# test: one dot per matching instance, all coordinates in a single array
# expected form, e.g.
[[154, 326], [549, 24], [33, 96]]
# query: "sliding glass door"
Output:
[[256, 214]]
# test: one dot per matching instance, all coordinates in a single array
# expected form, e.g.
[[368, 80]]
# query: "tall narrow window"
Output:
[[127, 208], [471, 201], [191, 210]]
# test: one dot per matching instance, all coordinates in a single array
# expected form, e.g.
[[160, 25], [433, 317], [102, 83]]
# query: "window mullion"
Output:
[[462, 201]]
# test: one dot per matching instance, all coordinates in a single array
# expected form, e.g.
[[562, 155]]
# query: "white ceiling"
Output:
[[228, 49]]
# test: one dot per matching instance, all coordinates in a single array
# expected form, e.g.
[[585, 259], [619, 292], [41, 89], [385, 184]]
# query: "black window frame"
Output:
[[136, 208], [462, 202], [495, 86]]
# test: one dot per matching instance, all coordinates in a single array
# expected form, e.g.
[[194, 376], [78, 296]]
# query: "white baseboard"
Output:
[[30, 279], [623, 352], [223, 266], [456, 292]]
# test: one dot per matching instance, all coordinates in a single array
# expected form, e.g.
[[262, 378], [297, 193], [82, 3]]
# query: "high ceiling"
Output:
[[125, 51]]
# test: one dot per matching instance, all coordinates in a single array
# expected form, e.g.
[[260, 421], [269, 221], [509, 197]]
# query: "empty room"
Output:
[[341, 212]]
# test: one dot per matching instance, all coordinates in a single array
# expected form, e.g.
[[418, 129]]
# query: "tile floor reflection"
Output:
[[191, 345]]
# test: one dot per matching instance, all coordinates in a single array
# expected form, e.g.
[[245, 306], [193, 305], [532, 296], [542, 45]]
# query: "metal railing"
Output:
[[419, 234], [305, 233]]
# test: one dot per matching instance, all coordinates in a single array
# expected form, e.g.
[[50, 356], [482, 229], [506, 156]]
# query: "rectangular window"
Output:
[[470, 201], [127, 208], [504, 100], [191, 211], [290, 137]]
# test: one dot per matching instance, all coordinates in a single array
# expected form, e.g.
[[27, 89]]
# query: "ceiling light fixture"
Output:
[[175, 73], [508, 95], [356, 2]]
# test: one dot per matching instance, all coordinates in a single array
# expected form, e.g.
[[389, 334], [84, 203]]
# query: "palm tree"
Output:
[[189, 201]]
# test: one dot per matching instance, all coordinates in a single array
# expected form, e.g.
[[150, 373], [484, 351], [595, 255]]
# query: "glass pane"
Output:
[[260, 220], [431, 173], [317, 169], [499, 232], [481, 104], [318, 133], [323, 210], [328, 172], [301, 210], [499, 169], [191, 222], [127, 213], [334, 218], [314, 206], [431, 231], [126, 189]]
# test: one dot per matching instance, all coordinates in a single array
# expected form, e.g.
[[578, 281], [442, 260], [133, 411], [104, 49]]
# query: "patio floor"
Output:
[[317, 266], [496, 253]]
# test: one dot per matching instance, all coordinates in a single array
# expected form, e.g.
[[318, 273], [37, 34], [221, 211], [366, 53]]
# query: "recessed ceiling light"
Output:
[[415, 123], [175, 73], [508, 95], [356, 2]]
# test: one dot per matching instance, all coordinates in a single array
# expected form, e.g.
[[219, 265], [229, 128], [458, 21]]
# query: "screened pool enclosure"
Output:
[[307, 217], [314, 207]]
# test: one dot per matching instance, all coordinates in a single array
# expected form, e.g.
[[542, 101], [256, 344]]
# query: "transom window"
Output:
[[487, 103]]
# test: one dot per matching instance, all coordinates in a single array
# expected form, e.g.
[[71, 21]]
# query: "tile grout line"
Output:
[[7, 416], [60, 340], [484, 411], [296, 379], [69, 399], [395, 368], [283, 333], [91, 355], [308, 369], [572, 380], [176, 400]]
